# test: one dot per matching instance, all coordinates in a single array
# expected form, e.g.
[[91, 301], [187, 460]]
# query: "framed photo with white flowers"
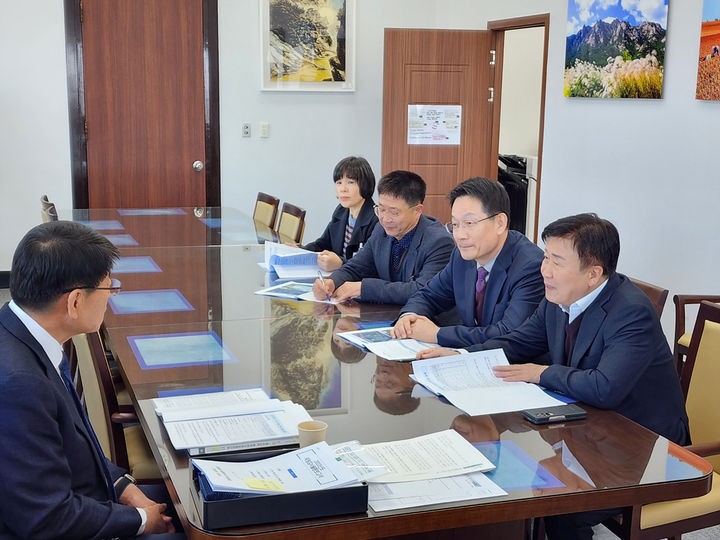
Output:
[[308, 45]]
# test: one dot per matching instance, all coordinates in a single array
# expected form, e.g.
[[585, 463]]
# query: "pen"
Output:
[[323, 284]]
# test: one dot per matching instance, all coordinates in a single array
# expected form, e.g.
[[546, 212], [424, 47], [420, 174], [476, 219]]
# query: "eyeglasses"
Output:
[[114, 287], [467, 225], [393, 212]]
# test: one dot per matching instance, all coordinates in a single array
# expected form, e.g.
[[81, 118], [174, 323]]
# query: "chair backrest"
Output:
[[292, 223], [100, 397], [657, 295], [700, 378], [266, 209], [88, 386], [49, 213]]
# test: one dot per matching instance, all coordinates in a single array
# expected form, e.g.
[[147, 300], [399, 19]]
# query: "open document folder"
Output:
[[380, 342], [468, 382], [295, 291], [290, 262], [307, 469]]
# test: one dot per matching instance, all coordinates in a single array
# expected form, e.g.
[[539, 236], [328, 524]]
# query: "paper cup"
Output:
[[311, 432]]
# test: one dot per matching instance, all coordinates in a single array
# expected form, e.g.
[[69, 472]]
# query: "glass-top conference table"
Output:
[[187, 321]]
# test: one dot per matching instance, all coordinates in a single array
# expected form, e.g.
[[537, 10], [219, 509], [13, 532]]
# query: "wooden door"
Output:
[[438, 67], [145, 105]]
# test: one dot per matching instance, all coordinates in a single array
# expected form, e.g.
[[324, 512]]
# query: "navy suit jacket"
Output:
[[513, 291], [51, 482], [333, 237], [427, 254], [621, 360]]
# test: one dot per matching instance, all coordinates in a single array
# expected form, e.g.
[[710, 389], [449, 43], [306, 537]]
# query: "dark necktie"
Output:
[[480, 294], [571, 334], [67, 379]]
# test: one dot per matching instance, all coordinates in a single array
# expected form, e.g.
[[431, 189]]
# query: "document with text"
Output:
[[468, 382], [445, 453], [383, 497], [238, 432], [311, 468], [214, 404]]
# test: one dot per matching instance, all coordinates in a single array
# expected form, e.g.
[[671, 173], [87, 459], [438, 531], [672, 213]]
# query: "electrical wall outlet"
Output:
[[246, 130]]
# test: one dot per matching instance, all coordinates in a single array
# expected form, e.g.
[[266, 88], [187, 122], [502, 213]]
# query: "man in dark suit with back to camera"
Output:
[[54, 480], [405, 250], [605, 343], [493, 276]]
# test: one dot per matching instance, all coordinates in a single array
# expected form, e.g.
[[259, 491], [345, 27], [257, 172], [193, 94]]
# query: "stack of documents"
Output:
[[468, 382], [436, 468], [311, 468], [290, 262], [225, 421], [380, 342]]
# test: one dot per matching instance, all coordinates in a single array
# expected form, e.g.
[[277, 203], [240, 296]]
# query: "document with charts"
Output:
[[311, 468], [468, 382], [380, 342]]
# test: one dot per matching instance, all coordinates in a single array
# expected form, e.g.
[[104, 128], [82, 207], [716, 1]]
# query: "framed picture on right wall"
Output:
[[708, 77]]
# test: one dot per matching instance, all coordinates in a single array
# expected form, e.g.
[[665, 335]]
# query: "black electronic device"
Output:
[[550, 415]]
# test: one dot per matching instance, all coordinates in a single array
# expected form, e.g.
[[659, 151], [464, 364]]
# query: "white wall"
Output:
[[646, 165], [34, 133]]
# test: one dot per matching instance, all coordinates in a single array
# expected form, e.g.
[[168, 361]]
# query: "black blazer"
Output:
[[334, 235]]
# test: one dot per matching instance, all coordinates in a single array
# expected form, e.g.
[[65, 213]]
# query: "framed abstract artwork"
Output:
[[615, 48], [308, 45]]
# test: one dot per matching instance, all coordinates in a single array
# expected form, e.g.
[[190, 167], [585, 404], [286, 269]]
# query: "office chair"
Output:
[[657, 295], [292, 223], [125, 445], [700, 383], [682, 339], [49, 213], [266, 210]]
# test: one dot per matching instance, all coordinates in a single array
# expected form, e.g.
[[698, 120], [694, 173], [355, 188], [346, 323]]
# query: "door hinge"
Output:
[[81, 12], [85, 128], [492, 57], [491, 99]]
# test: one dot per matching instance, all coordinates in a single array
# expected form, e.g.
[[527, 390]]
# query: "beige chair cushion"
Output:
[[661, 513], [263, 213], [685, 340], [701, 404], [288, 226], [142, 462]]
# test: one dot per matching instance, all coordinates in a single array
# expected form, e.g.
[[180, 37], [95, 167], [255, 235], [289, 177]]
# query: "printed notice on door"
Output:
[[434, 124]]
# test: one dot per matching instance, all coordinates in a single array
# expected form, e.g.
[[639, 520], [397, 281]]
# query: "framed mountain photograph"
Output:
[[708, 77], [615, 48], [308, 45]]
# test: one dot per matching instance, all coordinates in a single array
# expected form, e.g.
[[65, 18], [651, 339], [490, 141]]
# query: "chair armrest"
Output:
[[124, 418], [705, 449]]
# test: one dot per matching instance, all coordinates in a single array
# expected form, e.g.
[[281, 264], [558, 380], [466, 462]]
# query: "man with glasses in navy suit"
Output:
[[493, 276], [56, 482]]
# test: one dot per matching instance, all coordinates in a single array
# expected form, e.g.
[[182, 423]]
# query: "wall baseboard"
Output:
[[4, 279]]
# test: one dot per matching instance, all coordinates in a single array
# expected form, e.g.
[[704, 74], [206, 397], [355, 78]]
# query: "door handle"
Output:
[[198, 165]]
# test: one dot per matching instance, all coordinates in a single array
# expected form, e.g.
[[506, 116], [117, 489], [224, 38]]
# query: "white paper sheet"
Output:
[[468, 382], [436, 455], [380, 342], [383, 497]]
